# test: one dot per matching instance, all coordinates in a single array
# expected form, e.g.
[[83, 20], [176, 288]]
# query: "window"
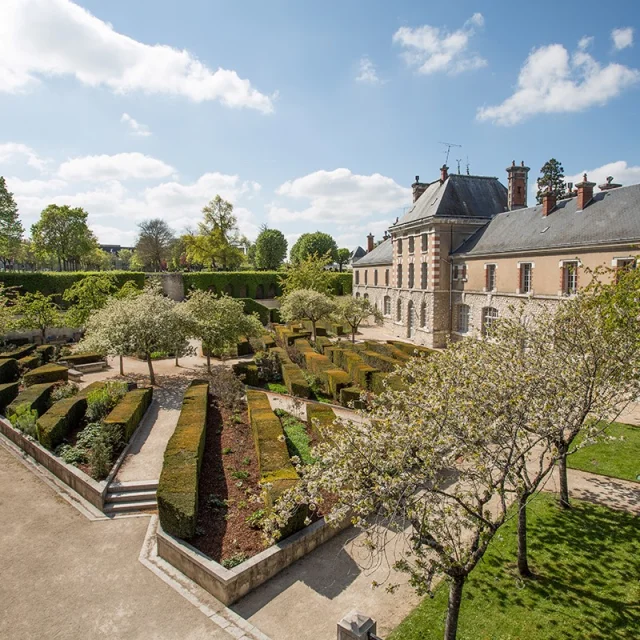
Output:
[[357, 294], [489, 315], [423, 315], [411, 244], [386, 278], [490, 275], [411, 275], [399, 246], [463, 318], [366, 296], [357, 274], [526, 275], [366, 275], [423, 275], [399, 276], [455, 272], [569, 277], [375, 277], [425, 243], [399, 311], [387, 306]]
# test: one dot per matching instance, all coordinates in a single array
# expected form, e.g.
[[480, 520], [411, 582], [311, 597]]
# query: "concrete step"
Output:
[[133, 486], [128, 507], [130, 496]]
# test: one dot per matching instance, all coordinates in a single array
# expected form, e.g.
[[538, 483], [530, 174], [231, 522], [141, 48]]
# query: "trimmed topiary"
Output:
[[322, 342], [248, 371], [35, 397], [321, 419], [411, 349], [295, 381], [388, 350], [350, 397], [178, 485], [30, 362], [337, 380], [46, 373], [380, 361], [128, 413], [9, 370], [47, 352], [83, 358], [20, 352], [8, 393]]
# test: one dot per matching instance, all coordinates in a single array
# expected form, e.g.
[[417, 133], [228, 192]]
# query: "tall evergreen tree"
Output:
[[11, 228], [552, 177], [271, 249]]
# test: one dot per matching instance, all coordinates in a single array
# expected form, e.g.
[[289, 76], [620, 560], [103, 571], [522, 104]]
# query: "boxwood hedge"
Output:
[[9, 370], [30, 362], [178, 485], [46, 373], [36, 397], [8, 393], [320, 418], [20, 352], [83, 358], [128, 413]]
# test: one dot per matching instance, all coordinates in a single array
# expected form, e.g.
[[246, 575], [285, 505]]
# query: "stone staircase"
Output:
[[131, 497]]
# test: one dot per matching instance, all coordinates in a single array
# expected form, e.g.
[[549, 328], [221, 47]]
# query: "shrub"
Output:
[[388, 350], [341, 284], [178, 485], [256, 519], [379, 379], [37, 397], [322, 342], [234, 560], [128, 413], [269, 341], [83, 358], [101, 400], [9, 370], [55, 424], [294, 379], [295, 431], [247, 372], [268, 366], [251, 306], [8, 393], [358, 371], [226, 388], [100, 459], [64, 391], [20, 352], [411, 349], [46, 373], [29, 363], [24, 419], [244, 347]]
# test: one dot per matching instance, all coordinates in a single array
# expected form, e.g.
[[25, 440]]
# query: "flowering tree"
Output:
[[219, 322], [354, 311], [306, 304]]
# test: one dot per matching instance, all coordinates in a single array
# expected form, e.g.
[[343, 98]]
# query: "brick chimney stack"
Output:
[[518, 179], [610, 184], [444, 172], [418, 188], [370, 239], [548, 202], [585, 193]]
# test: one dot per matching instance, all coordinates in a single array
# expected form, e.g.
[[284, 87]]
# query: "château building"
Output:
[[470, 247]]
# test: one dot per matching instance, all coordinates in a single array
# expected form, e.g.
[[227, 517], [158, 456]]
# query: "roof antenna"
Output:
[[449, 145], [458, 160], [468, 166]]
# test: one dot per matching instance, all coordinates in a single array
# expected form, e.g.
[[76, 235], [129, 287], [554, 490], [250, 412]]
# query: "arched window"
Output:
[[399, 311], [489, 315], [387, 305], [366, 296], [357, 294], [463, 318], [423, 315]]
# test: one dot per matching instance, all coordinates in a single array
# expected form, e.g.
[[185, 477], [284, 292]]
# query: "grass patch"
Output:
[[587, 562], [277, 387], [617, 459], [297, 437]]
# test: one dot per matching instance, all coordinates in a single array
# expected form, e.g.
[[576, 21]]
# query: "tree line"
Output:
[[62, 240]]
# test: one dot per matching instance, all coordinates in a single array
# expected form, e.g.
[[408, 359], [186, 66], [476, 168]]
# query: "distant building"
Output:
[[114, 249]]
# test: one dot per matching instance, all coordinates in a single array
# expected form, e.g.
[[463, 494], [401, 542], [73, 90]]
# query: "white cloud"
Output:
[[552, 81], [622, 38], [135, 128], [367, 72], [34, 187], [434, 49], [42, 38], [340, 196], [114, 235], [622, 174], [121, 166], [585, 42], [9, 151]]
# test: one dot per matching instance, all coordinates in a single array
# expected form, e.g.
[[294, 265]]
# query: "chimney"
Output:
[[608, 185], [517, 181], [444, 172], [418, 188], [548, 202], [585, 193], [370, 239]]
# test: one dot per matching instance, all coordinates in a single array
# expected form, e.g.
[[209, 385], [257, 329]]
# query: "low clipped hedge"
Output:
[[411, 349], [30, 362], [294, 380], [46, 373], [238, 284], [281, 354], [321, 329], [65, 415], [286, 336], [388, 350], [19, 352], [322, 342], [8, 393], [128, 413], [380, 361], [83, 358], [248, 371], [274, 315], [35, 397], [56, 283], [303, 346], [251, 306], [378, 379], [320, 418], [178, 485], [269, 341], [359, 371], [350, 397], [9, 370], [47, 352], [337, 380]]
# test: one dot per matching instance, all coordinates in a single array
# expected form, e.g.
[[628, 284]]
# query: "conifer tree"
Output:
[[11, 228]]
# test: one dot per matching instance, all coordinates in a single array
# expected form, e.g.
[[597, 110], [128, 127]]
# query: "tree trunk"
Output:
[[177, 364], [313, 330], [564, 483], [353, 334], [43, 333], [209, 361], [151, 374], [121, 366], [523, 562], [453, 608]]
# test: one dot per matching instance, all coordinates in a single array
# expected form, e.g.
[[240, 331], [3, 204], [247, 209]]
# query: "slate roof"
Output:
[[612, 217], [357, 253], [382, 254], [459, 196]]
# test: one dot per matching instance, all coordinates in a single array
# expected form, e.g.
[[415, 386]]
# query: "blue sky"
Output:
[[307, 116]]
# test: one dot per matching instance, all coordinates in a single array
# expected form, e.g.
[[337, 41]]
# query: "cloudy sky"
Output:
[[306, 116]]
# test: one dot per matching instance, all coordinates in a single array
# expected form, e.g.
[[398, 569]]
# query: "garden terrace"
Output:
[[178, 485]]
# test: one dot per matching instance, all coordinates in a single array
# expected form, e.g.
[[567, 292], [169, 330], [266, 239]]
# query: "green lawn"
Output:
[[298, 440], [618, 459], [587, 562]]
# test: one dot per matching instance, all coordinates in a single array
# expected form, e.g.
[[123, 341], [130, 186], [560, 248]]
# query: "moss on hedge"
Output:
[[320, 418], [294, 380], [30, 362], [9, 370], [35, 397], [350, 397], [178, 485], [129, 411], [380, 361], [8, 393], [54, 425], [411, 349], [83, 358], [47, 352], [322, 342], [388, 350], [337, 380], [46, 373], [20, 352]]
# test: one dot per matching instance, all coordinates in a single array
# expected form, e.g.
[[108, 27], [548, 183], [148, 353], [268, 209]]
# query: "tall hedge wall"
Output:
[[56, 283], [239, 284], [178, 485]]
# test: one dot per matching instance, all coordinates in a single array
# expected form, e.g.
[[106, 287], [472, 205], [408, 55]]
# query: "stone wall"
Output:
[[173, 286]]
